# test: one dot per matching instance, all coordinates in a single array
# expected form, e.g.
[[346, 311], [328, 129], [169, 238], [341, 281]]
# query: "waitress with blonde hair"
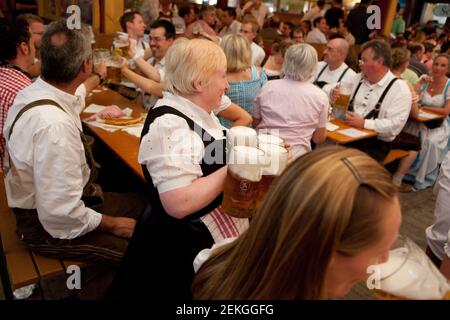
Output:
[[332, 213], [182, 155]]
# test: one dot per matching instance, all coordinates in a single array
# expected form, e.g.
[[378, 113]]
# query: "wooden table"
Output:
[[437, 116], [343, 139], [124, 145]]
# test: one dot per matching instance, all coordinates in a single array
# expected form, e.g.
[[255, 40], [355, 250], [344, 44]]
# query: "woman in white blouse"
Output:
[[182, 154]]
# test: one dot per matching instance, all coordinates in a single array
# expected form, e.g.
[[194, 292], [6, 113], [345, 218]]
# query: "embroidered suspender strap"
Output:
[[343, 74], [375, 112], [321, 71], [32, 105], [350, 105]]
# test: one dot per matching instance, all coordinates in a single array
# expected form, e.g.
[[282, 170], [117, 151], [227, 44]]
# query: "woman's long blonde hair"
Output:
[[326, 201]]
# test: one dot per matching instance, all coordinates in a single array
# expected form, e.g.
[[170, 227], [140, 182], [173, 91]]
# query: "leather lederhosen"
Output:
[[374, 147]]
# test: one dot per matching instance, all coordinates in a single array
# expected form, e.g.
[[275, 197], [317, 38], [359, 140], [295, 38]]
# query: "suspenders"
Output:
[[376, 110], [320, 84]]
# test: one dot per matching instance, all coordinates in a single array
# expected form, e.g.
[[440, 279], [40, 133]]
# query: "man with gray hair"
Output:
[[333, 69], [379, 101], [49, 170]]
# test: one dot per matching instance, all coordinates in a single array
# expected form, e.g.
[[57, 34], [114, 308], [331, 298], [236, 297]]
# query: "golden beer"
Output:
[[342, 101], [263, 189], [239, 196], [241, 183], [113, 74]]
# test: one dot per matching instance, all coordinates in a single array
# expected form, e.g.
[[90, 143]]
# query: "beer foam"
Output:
[[246, 162], [270, 139], [412, 279], [277, 159], [242, 136]]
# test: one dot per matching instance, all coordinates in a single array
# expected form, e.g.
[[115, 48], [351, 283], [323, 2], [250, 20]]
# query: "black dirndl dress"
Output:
[[158, 262]]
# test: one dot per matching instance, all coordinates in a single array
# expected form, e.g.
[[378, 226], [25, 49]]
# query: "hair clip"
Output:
[[353, 170]]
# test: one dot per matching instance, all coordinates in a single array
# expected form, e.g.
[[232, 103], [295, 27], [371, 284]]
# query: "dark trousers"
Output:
[[95, 246], [374, 147]]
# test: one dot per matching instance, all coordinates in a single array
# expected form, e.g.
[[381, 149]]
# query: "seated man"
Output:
[[49, 169], [16, 56], [333, 69], [132, 23], [379, 100], [318, 33]]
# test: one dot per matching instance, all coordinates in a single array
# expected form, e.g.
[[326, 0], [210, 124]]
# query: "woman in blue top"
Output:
[[244, 79], [435, 97]]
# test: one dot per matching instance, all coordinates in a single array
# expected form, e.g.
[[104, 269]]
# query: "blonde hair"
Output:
[[326, 201], [281, 47], [237, 51], [192, 61], [400, 56]]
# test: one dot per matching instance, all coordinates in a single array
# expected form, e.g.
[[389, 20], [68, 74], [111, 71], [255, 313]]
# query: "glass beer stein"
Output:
[[241, 183], [121, 44], [277, 160], [410, 274], [341, 104]]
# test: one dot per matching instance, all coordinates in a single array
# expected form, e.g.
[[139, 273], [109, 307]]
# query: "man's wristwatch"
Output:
[[99, 76]]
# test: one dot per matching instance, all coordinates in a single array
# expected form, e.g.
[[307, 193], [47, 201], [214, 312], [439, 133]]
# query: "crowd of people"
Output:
[[200, 72]]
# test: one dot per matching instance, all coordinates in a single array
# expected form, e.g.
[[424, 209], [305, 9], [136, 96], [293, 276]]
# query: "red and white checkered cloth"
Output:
[[11, 82], [222, 226]]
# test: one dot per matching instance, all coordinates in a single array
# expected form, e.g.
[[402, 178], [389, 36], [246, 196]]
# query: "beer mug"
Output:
[[270, 139], [101, 56], [241, 183], [121, 44], [277, 160], [341, 105], [410, 274], [242, 136], [113, 72]]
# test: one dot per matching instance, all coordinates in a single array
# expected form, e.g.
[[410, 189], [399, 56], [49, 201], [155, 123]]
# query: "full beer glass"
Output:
[[341, 105], [113, 72], [121, 44], [409, 274], [277, 160], [241, 183]]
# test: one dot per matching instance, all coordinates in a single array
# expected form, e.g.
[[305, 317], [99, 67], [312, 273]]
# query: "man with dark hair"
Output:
[[16, 56], [162, 36], [132, 23], [357, 22], [333, 14], [379, 101], [229, 22], [318, 33], [417, 51], [49, 169]]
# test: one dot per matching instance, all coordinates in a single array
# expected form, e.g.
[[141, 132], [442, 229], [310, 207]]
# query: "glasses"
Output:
[[156, 39]]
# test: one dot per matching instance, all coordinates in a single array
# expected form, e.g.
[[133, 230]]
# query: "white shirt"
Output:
[[49, 165], [438, 233], [233, 28], [141, 45], [170, 150], [260, 14], [314, 13], [258, 54], [316, 36], [149, 100], [394, 111], [204, 255], [332, 77]]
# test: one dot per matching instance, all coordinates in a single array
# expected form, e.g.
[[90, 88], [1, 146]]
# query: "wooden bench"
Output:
[[394, 155], [20, 267]]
